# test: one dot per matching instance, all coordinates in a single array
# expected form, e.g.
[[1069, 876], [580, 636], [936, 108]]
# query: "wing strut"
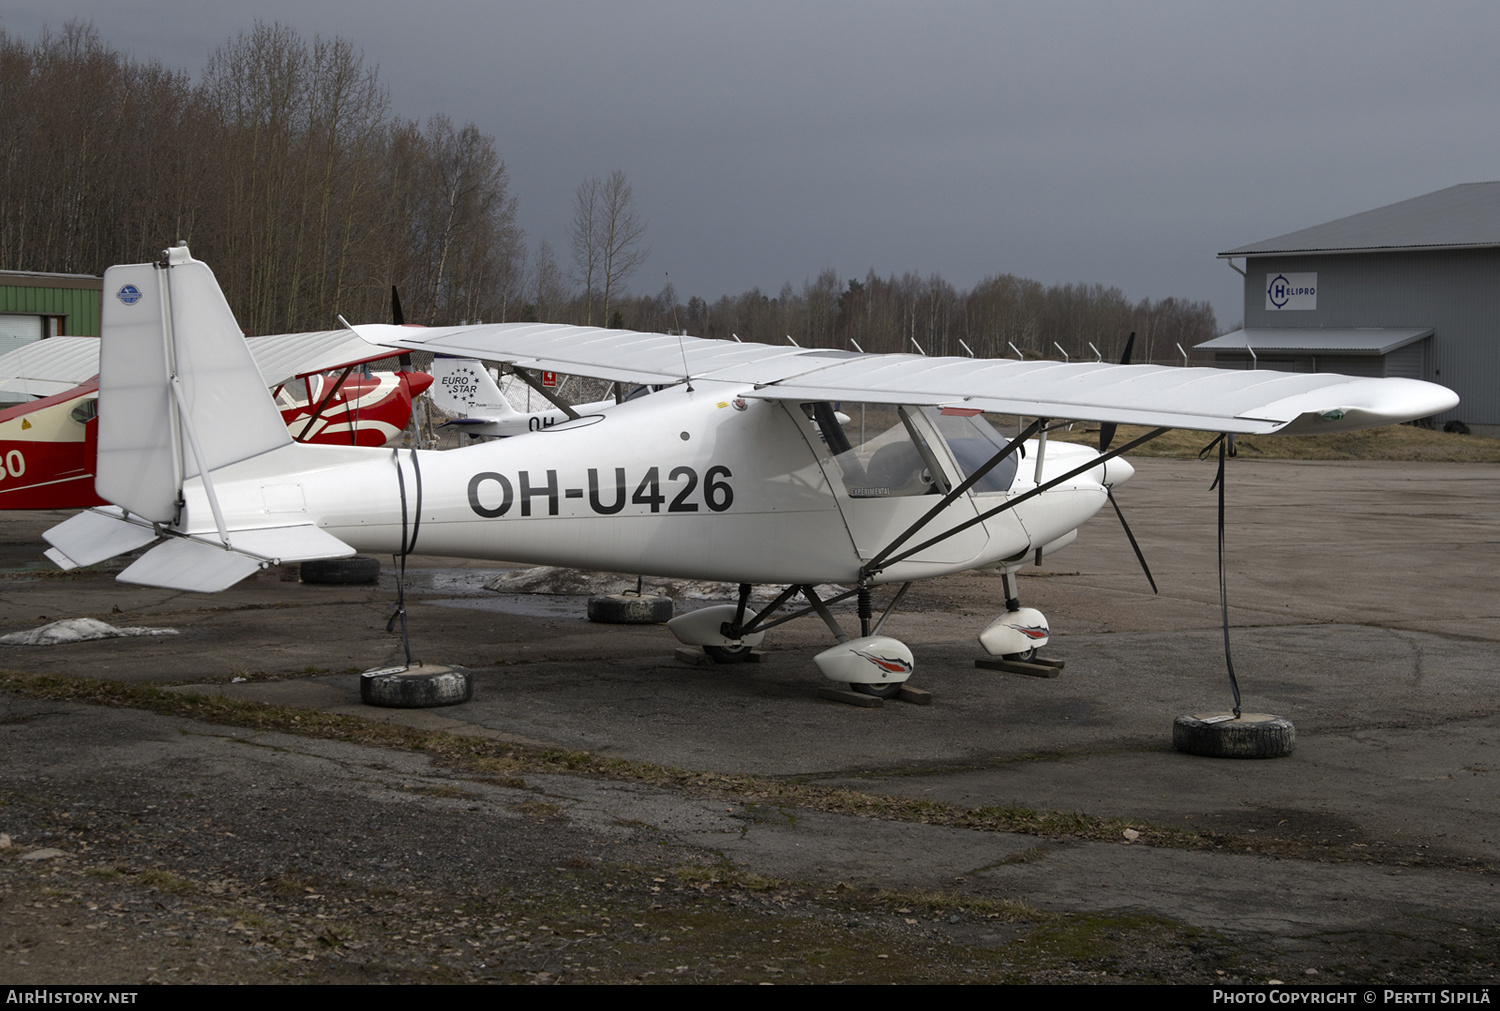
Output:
[[565, 408], [328, 399], [185, 419], [874, 566]]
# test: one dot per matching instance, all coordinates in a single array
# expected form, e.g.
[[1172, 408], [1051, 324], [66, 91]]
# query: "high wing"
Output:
[[59, 364], [48, 367], [1216, 400], [285, 356]]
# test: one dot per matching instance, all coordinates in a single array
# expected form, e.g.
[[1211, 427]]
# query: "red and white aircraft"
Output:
[[48, 446], [739, 470]]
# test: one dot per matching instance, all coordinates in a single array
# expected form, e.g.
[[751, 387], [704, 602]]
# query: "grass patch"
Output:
[[946, 903], [165, 881], [724, 875], [494, 761]]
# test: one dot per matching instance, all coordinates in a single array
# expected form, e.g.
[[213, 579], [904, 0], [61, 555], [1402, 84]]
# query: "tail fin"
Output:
[[178, 389], [463, 386], [180, 397]]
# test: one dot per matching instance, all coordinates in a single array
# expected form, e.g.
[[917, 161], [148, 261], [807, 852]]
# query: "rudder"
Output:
[[176, 381]]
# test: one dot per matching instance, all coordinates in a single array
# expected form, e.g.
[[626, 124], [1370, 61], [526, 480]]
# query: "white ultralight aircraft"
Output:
[[464, 387], [737, 471]]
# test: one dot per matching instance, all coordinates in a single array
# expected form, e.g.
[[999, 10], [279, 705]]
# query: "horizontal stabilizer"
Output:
[[59, 559], [301, 543], [204, 565], [184, 564], [95, 535]]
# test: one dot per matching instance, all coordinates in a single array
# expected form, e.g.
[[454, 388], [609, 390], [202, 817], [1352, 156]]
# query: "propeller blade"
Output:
[[1107, 429], [399, 319], [1139, 555]]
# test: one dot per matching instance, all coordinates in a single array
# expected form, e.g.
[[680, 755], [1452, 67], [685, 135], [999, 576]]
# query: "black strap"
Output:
[[416, 523], [1234, 685], [400, 558]]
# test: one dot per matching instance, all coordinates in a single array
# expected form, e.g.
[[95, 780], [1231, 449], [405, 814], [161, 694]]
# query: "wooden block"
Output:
[[1035, 670], [851, 698], [916, 696], [695, 656]]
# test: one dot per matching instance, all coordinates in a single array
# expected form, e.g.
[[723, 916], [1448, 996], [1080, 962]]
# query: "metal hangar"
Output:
[[1411, 289]]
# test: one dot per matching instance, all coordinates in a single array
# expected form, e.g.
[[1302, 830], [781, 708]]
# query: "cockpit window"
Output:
[[86, 411], [878, 455], [973, 442], [876, 450]]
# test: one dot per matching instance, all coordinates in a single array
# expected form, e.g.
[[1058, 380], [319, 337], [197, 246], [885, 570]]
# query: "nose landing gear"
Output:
[[1013, 639]]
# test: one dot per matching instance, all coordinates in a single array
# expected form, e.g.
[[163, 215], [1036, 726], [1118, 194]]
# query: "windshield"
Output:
[[879, 456], [974, 441]]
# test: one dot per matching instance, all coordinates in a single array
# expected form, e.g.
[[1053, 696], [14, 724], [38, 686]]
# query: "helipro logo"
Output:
[[1292, 291]]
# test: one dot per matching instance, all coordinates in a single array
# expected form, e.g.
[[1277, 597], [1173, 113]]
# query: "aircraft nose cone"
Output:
[[1118, 471]]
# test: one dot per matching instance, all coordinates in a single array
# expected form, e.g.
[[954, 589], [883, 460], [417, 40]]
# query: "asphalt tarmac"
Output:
[[1363, 606]]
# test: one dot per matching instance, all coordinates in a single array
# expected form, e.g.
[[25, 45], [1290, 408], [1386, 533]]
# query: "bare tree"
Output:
[[583, 234], [606, 238], [549, 290], [621, 230]]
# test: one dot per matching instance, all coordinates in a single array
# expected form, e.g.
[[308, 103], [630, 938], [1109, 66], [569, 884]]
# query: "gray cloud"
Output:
[[1112, 143]]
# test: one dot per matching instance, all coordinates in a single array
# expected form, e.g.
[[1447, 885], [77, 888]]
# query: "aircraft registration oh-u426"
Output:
[[739, 470]]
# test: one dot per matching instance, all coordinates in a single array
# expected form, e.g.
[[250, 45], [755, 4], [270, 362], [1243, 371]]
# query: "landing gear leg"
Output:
[[1011, 585], [734, 654]]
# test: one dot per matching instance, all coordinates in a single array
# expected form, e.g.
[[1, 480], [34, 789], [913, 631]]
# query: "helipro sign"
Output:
[[1292, 291]]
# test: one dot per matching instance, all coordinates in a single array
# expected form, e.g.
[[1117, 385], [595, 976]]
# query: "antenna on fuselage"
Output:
[[676, 323], [681, 348]]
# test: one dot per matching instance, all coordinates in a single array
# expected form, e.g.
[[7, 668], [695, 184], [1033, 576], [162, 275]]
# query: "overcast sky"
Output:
[[1123, 144]]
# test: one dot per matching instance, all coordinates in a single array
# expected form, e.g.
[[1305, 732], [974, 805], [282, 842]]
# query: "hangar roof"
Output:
[[1465, 216], [1370, 340]]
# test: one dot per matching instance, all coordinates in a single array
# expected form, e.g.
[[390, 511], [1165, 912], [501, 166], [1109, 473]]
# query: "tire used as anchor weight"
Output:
[[630, 609], [416, 687], [1221, 735], [341, 571]]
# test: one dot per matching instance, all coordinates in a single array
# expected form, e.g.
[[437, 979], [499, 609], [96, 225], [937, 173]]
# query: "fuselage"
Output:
[[704, 482]]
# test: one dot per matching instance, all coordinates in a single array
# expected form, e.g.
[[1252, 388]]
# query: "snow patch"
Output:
[[578, 582], [77, 630]]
